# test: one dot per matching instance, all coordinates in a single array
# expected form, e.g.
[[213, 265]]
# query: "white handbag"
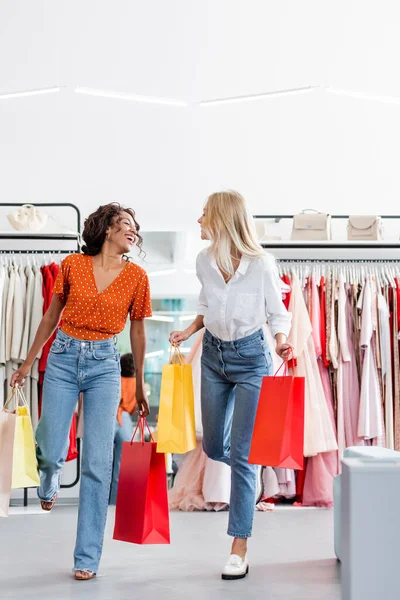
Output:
[[28, 218], [311, 225], [266, 230], [364, 228]]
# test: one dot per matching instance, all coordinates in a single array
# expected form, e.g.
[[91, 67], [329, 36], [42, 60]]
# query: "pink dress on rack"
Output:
[[349, 384], [322, 468], [319, 433]]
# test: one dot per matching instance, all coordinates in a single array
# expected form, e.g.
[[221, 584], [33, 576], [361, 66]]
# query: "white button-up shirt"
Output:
[[242, 306]]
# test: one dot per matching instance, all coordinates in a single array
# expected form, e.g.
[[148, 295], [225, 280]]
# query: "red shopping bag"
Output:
[[73, 448], [278, 435], [141, 515]]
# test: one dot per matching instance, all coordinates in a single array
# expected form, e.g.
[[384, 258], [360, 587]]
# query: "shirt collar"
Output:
[[242, 268]]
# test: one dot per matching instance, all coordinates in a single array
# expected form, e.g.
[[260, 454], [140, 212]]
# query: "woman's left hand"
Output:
[[284, 351], [142, 403]]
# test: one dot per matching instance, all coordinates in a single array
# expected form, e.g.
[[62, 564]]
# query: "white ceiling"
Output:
[[311, 150]]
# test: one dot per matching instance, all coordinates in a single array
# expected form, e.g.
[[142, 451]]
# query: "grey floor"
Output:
[[291, 557]]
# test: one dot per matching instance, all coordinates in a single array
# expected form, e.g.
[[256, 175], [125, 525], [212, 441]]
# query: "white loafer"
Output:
[[235, 568]]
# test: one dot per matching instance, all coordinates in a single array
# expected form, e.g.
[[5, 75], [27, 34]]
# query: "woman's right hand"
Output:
[[18, 377], [177, 337]]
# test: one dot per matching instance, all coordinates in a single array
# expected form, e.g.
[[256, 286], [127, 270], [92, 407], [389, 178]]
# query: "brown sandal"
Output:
[[84, 575], [47, 506]]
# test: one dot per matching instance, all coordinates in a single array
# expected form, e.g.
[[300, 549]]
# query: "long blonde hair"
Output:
[[230, 227]]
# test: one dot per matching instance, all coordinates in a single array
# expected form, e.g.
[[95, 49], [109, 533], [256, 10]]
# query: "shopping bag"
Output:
[[141, 514], [176, 423], [278, 435], [7, 432], [25, 470]]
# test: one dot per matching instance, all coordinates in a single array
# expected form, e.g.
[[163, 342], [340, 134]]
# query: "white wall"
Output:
[[318, 149]]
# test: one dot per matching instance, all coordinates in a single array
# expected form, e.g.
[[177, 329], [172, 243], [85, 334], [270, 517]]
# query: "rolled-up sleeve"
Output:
[[202, 305], [278, 317]]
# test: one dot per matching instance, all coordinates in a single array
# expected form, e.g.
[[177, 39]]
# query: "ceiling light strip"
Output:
[[250, 97], [25, 93], [154, 354], [130, 97], [363, 95], [161, 318], [160, 273]]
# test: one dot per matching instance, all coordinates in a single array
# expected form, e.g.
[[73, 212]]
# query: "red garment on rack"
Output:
[[49, 273], [73, 448], [398, 301], [286, 299]]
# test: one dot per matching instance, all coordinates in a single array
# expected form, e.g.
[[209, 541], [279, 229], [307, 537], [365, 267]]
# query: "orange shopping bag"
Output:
[[278, 435]]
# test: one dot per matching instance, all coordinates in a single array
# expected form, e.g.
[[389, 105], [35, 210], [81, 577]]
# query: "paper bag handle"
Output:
[[140, 425], [176, 352], [18, 395]]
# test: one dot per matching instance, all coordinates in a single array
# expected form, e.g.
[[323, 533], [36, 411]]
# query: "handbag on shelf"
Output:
[[266, 230], [311, 225], [364, 228], [28, 218]]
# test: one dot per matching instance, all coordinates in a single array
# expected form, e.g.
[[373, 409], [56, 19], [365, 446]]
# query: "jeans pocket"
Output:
[[105, 354], [58, 347], [252, 351]]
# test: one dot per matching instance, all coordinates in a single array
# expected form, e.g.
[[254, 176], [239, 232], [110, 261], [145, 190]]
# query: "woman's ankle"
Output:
[[239, 547]]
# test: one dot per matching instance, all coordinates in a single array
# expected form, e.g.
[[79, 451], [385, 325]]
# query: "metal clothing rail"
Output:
[[47, 236], [339, 260]]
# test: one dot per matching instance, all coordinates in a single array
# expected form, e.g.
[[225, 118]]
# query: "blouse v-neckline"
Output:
[[110, 284]]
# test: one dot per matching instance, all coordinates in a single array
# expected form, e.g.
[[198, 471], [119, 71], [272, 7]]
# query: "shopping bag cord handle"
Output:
[[140, 424]]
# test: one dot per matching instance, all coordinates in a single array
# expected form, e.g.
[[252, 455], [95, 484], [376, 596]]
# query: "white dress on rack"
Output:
[[319, 435], [370, 423], [9, 313], [36, 317], [18, 313], [3, 300], [30, 287]]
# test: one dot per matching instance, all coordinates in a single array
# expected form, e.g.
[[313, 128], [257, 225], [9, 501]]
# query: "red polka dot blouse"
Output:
[[90, 315]]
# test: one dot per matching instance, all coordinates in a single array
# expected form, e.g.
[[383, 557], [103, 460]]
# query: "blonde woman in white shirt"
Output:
[[240, 291]]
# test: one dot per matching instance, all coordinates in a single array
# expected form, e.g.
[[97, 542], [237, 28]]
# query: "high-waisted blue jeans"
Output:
[[93, 368], [231, 377]]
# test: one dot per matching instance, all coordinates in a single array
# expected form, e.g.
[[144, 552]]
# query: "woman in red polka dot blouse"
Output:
[[94, 293]]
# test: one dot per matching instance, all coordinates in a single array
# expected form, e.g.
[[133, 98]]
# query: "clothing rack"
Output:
[[47, 236]]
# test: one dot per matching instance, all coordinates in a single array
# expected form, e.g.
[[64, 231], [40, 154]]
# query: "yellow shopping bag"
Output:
[[176, 425], [25, 471]]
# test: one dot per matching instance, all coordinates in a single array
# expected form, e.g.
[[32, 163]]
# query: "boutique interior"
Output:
[[156, 106]]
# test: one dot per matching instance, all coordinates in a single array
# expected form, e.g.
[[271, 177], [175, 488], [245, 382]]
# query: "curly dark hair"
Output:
[[127, 366], [96, 225]]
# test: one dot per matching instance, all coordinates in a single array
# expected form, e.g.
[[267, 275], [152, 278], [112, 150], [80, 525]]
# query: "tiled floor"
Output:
[[291, 557]]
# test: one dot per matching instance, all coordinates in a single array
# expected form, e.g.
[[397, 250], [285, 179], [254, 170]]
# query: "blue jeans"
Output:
[[122, 434], [93, 368], [231, 377]]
